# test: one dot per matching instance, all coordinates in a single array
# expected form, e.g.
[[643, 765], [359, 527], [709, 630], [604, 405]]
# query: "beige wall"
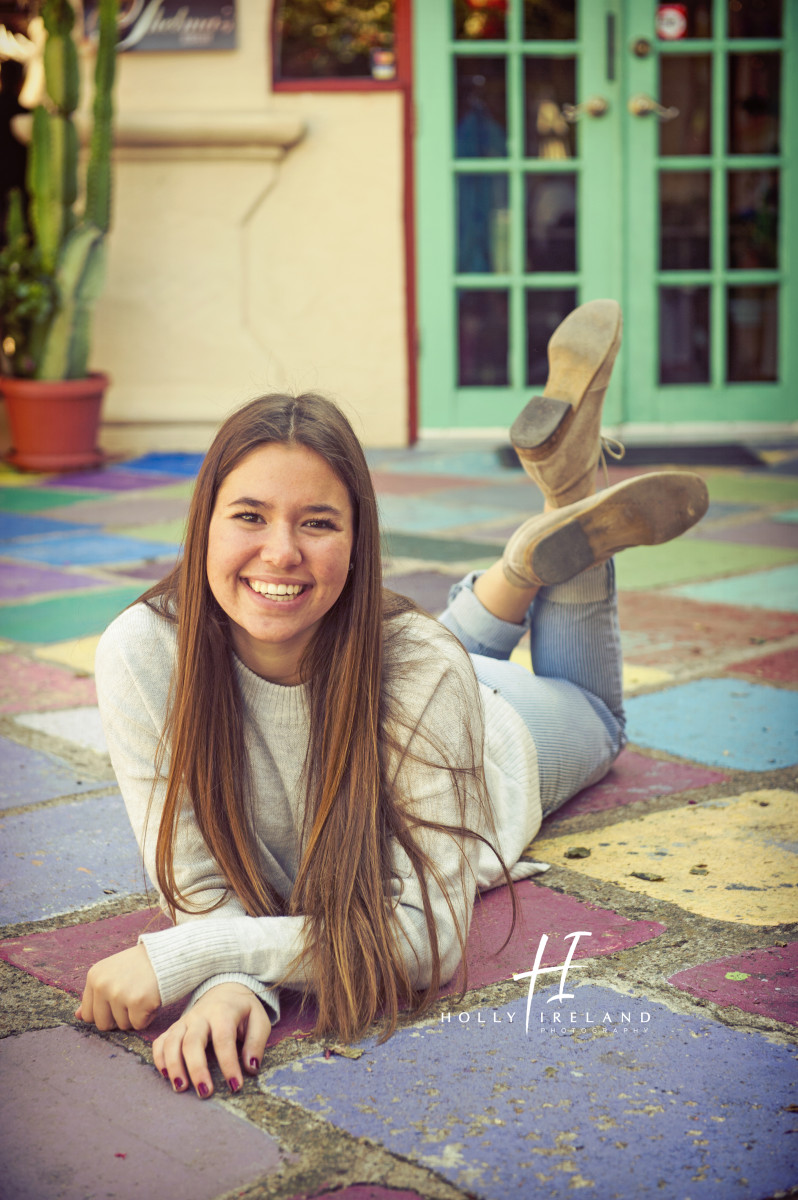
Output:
[[257, 246]]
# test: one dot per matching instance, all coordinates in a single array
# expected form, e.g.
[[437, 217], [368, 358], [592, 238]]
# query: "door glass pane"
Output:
[[548, 84], [752, 337], [684, 225], [684, 335], [692, 19], [544, 311], [481, 130], [479, 22], [483, 338], [686, 83], [753, 219], [483, 223], [547, 21], [551, 222], [754, 109], [754, 18]]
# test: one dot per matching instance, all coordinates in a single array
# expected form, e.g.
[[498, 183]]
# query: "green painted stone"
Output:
[[61, 618], [686, 560], [33, 499]]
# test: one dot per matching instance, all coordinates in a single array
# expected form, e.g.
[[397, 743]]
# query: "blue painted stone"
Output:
[[184, 465], [776, 589], [82, 1118], [57, 859], [81, 549], [565, 1109], [470, 464], [424, 514], [720, 722], [18, 525], [28, 776]]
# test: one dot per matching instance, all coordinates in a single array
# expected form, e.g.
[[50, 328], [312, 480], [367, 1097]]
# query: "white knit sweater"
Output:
[[431, 677]]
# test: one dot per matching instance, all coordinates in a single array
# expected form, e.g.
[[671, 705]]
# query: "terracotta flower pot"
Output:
[[54, 422]]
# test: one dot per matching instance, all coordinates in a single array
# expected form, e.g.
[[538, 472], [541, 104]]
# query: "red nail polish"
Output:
[[254, 1064], [178, 1084], [233, 1085], [203, 1090]]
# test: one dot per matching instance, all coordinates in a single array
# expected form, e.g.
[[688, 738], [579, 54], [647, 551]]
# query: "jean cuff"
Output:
[[479, 630]]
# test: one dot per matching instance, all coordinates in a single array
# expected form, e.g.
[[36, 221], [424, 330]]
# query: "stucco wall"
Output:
[[257, 246]]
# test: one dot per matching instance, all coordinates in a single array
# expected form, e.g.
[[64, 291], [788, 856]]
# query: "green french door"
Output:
[[570, 149]]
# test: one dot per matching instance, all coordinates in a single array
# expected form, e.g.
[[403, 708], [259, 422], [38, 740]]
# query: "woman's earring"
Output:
[[351, 566]]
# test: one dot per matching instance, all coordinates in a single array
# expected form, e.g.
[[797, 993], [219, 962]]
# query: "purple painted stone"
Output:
[[567, 1109], [99, 1123], [770, 986], [17, 579], [753, 533], [113, 480], [430, 589], [148, 571], [390, 483], [781, 667], [61, 957], [633, 777], [28, 776], [28, 686]]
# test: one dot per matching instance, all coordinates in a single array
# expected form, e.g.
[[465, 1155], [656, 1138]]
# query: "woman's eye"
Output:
[[248, 517], [320, 523]]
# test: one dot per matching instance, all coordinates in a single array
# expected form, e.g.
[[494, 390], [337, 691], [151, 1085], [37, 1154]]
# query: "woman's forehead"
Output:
[[278, 471]]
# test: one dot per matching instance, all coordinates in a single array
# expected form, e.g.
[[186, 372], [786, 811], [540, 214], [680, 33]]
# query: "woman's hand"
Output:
[[121, 992], [228, 1013]]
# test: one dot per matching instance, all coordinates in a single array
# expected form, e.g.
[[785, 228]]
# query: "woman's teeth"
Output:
[[282, 591]]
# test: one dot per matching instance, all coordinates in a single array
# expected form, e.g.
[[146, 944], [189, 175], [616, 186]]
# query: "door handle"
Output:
[[646, 106], [596, 106]]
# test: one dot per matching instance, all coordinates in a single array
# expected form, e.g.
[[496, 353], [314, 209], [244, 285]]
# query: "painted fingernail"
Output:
[[164, 1072], [254, 1064], [178, 1084], [203, 1090], [233, 1084]]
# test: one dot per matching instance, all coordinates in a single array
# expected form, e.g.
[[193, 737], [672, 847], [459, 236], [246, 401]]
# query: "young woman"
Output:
[[320, 776]]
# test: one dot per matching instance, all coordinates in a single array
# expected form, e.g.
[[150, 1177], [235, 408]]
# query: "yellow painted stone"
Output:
[[77, 653], [635, 677], [745, 844], [521, 655], [5, 646], [11, 478]]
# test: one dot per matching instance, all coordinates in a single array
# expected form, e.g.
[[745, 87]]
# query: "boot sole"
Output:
[[644, 511], [581, 350]]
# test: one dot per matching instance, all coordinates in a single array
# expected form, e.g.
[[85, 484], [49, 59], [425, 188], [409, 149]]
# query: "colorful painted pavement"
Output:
[[662, 1064]]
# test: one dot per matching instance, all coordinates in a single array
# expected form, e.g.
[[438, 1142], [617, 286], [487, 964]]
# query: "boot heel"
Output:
[[540, 426]]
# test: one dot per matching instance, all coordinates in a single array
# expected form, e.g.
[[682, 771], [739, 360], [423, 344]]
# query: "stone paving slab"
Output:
[[148, 572], [113, 479], [26, 685], [776, 589], [180, 464], [59, 619], [792, 515], [170, 533], [633, 777], [17, 527], [730, 859], [720, 722], [442, 550], [79, 549], [687, 559], [106, 1127], [77, 653], [363, 1191], [29, 776], [17, 580], [673, 1105], [659, 629], [133, 510], [425, 514], [387, 483], [81, 726], [758, 981], [64, 857], [430, 589], [781, 667], [468, 464], [750, 488], [34, 499], [752, 533]]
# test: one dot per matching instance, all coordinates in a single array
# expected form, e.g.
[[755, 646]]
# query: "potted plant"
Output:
[[52, 267]]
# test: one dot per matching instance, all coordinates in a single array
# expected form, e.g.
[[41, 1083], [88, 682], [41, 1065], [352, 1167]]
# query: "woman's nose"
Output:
[[280, 547]]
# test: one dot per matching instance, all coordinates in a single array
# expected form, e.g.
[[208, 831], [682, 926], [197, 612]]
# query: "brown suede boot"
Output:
[[557, 436], [644, 511]]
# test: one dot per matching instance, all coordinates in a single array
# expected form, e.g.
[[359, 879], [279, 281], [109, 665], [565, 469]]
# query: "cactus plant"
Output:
[[50, 340]]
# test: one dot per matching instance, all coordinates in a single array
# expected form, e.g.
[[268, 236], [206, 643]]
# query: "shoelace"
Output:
[[610, 447]]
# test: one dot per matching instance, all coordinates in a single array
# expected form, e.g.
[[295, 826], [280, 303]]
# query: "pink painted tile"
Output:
[[27, 686], [62, 957], [633, 777], [391, 483], [672, 631], [757, 981], [781, 667]]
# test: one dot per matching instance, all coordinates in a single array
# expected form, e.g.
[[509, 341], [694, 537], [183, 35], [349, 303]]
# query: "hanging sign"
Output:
[[170, 24], [671, 22]]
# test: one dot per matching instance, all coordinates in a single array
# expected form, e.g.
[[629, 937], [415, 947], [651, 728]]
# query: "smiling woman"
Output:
[[319, 775]]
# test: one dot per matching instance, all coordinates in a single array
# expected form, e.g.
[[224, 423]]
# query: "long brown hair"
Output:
[[354, 816]]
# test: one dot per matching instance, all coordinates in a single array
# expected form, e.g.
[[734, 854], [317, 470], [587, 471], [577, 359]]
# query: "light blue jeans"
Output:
[[573, 703]]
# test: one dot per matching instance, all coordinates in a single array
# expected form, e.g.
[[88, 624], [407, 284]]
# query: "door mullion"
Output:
[[720, 217], [515, 89]]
